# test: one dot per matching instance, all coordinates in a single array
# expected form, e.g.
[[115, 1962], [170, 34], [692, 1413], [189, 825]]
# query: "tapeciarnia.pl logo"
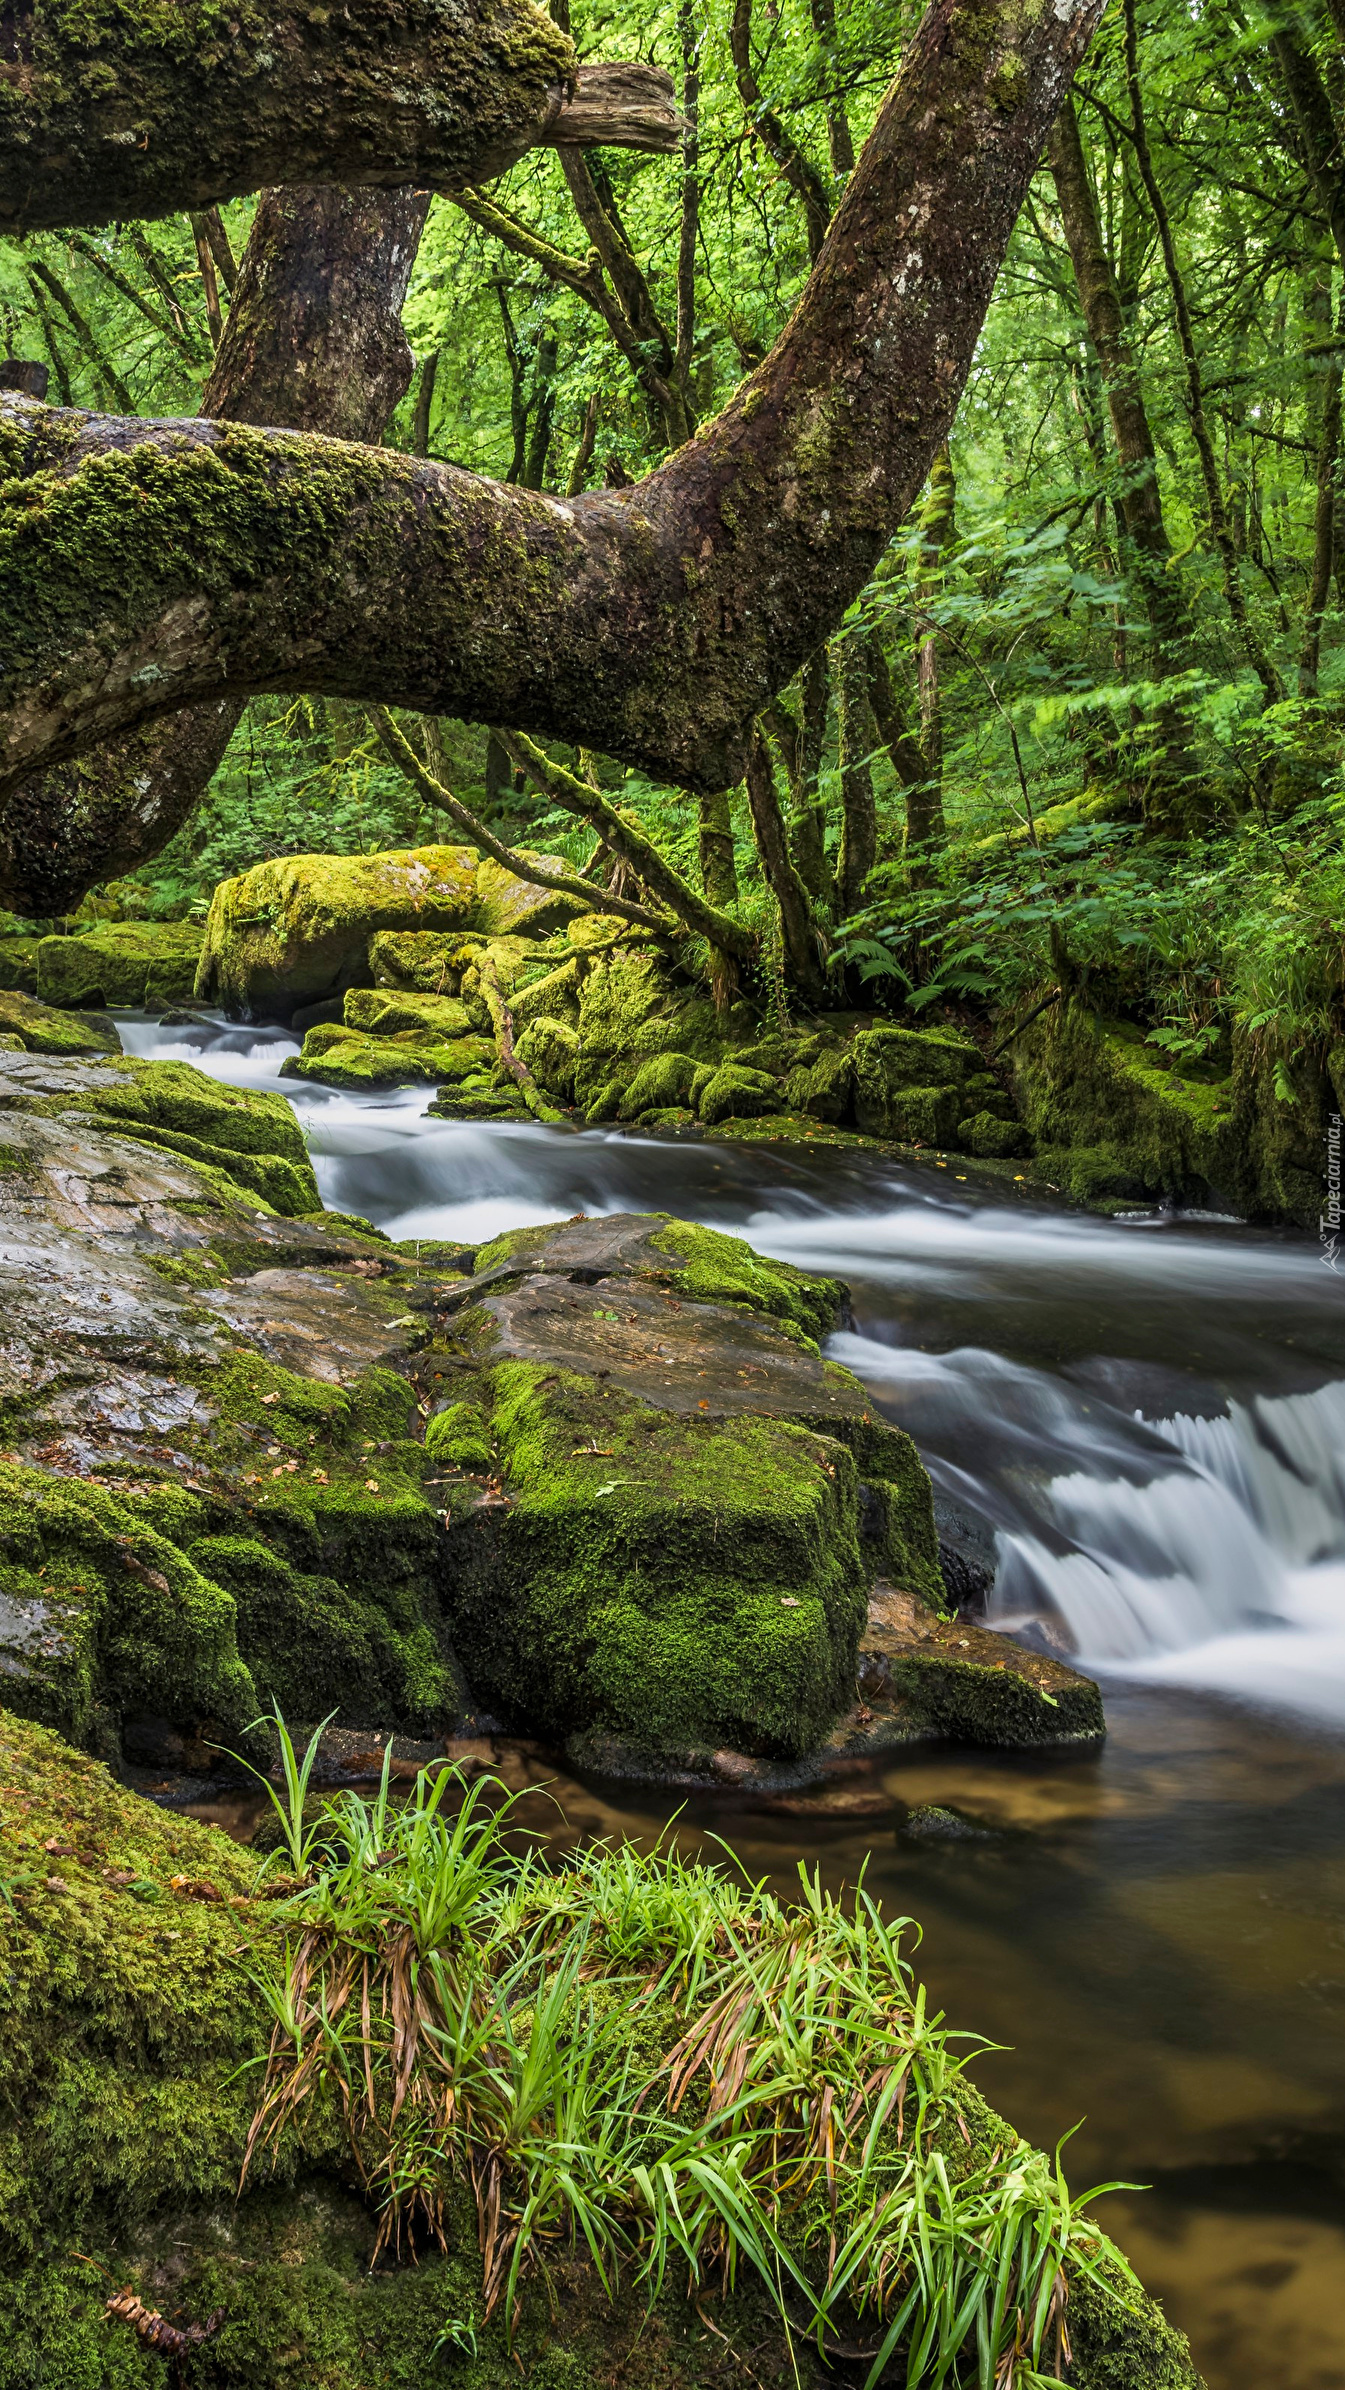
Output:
[[1329, 1223]]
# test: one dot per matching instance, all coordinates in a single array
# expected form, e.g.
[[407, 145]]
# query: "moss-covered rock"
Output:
[[422, 960], [139, 963], [734, 1092], [550, 1050], [991, 1138], [823, 1089], [505, 904], [673, 1581], [41, 1029], [632, 1006], [18, 964], [334, 1056], [378, 1013], [908, 1083], [1113, 1119], [290, 933], [250, 1142], [665, 1081]]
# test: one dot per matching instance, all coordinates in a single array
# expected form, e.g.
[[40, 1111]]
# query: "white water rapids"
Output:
[[1147, 1417]]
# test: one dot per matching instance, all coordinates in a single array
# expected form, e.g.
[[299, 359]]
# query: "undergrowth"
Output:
[[665, 2067]]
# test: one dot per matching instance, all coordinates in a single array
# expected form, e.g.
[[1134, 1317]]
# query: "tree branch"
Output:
[[625, 839], [113, 115], [565, 883]]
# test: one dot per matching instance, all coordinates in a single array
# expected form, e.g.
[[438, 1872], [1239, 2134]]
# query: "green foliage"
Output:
[[665, 2068]]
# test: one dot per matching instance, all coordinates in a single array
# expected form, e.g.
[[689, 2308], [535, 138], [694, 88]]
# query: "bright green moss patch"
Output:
[[120, 962], [41, 1029], [669, 1581]]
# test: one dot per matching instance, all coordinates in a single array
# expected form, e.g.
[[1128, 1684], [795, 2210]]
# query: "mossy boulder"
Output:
[[42, 1029], [824, 1088], [138, 963], [991, 1138], [664, 1082], [18, 964], [421, 960], [334, 1056], [1114, 1119], [735, 1092], [378, 1013], [291, 933], [909, 1082], [249, 1142], [633, 1006], [550, 1050], [669, 1580], [506, 904]]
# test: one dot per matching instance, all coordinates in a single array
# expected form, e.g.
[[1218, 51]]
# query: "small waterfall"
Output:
[[1205, 1550]]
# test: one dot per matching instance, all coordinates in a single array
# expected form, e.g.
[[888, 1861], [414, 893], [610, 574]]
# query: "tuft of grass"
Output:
[[664, 2066]]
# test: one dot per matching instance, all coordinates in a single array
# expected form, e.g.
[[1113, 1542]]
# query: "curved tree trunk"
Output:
[[314, 339], [148, 566], [111, 114]]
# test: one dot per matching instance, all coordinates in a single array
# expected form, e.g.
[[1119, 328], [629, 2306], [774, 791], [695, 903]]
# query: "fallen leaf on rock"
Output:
[[270, 1398], [194, 1888], [57, 1883], [787, 1602], [59, 1849], [370, 1485]]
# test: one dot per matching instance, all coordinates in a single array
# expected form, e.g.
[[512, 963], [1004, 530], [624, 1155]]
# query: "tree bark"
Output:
[[768, 828], [719, 870], [314, 339], [110, 115], [1254, 647], [859, 813], [147, 566], [936, 532], [1323, 526]]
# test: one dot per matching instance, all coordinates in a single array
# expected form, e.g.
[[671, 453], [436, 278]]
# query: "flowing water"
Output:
[[1143, 1423]]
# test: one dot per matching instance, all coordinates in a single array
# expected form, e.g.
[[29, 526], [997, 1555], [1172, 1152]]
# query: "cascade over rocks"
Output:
[[644, 1507]]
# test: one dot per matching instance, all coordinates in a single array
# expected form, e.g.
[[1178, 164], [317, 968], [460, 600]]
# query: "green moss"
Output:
[[41, 1029], [101, 1610], [673, 1582], [732, 1092], [664, 1082], [506, 904], [120, 962], [460, 1435], [379, 1012], [18, 964], [252, 1141], [823, 1089], [708, 1266], [290, 933], [422, 960], [992, 1139], [334, 1056], [907, 1083], [1113, 1119], [550, 1050]]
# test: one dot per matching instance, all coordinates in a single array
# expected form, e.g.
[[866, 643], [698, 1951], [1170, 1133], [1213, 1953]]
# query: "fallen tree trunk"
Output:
[[107, 114], [147, 566]]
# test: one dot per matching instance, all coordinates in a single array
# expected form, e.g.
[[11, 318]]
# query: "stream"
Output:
[[1145, 1420]]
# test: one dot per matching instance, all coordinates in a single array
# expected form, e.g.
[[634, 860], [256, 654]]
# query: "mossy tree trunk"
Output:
[[110, 114], [313, 339], [141, 562]]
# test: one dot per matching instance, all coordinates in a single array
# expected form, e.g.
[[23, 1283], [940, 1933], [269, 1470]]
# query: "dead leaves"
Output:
[[170, 2340]]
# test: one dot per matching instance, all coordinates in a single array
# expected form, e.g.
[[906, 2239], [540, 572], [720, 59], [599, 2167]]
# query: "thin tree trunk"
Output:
[[768, 827], [424, 407], [1323, 525], [936, 533], [205, 262], [84, 333], [583, 455], [628, 841], [925, 828], [719, 871], [1253, 645], [859, 814]]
